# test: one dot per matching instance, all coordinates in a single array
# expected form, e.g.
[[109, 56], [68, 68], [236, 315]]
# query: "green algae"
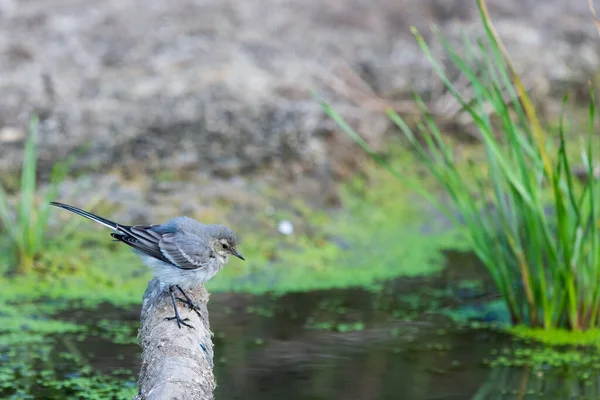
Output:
[[342, 327], [544, 349], [117, 332], [41, 358], [547, 357], [552, 348], [382, 232], [30, 368], [104, 274], [557, 337], [31, 335], [95, 387], [12, 324]]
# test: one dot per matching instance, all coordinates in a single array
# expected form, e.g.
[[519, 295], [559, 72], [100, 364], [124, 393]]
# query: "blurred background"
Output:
[[354, 286]]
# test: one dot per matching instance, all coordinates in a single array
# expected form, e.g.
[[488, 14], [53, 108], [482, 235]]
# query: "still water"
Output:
[[394, 341]]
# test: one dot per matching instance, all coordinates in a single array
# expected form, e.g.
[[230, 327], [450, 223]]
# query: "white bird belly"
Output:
[[185, 278]]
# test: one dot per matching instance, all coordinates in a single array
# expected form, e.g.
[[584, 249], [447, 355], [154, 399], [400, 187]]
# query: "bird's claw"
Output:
[[180, 321], [188, 302], [178, 318], [190, 305]]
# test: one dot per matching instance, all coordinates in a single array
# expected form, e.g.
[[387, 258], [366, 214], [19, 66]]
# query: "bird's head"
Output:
[[225, 242]]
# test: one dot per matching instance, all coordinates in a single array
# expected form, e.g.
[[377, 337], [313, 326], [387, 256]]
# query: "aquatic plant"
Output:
[[26, 225], [533, 225]]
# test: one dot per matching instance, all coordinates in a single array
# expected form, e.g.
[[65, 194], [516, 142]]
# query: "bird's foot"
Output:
[[180, 321], [190, 305], [177, 317], [188, 302]]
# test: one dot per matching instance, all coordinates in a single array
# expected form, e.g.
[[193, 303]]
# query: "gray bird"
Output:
[[183, 253]]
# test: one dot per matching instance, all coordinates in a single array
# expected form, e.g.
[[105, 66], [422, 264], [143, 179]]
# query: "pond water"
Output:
[[394, 341]]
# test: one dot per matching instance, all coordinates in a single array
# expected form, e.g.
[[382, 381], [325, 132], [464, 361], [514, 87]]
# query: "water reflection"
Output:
[[275, 355], [353, 366], [528, 383]]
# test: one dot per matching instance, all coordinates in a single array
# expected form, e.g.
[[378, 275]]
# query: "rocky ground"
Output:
[[216, 89]]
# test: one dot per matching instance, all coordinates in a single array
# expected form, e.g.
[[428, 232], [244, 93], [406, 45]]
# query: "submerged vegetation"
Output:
[[532, 224]]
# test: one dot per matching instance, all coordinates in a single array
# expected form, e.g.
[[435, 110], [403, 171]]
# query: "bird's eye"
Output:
[[225, 246]]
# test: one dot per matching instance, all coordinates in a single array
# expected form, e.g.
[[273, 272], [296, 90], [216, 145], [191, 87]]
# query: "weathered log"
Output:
[[176, 363]]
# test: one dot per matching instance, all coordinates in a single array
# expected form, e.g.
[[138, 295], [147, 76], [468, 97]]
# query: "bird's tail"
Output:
[[109, 224]]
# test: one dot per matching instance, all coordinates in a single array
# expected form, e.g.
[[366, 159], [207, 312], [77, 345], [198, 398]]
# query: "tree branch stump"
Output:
[[176, 363]]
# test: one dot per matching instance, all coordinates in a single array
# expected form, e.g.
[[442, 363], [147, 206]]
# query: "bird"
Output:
[[182, 253]]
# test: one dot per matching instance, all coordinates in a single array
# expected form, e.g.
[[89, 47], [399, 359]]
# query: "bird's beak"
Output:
[[238, 255]]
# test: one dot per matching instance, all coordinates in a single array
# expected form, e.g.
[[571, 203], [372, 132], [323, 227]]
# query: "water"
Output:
[[366, 364], [392, 342]]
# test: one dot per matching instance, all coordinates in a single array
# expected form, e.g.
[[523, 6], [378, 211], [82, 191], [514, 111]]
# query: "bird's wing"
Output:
[[185, 251], [143, 238]]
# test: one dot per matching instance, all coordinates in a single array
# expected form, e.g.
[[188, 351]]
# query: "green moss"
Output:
[[104, 275], [550, 349], [382, 232], [342, 327], [96, 387], [547, 357], [117, 332], [558, 337], [33, 367], [14, 324], [28, 372], [21, 338]]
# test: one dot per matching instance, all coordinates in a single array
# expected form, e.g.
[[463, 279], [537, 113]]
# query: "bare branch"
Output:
[[176, 363]]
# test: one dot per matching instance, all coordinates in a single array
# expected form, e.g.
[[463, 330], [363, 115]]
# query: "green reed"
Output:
[[533, 226], [26, 224]]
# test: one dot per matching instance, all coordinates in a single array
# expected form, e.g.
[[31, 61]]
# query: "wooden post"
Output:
[[176, 363]]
